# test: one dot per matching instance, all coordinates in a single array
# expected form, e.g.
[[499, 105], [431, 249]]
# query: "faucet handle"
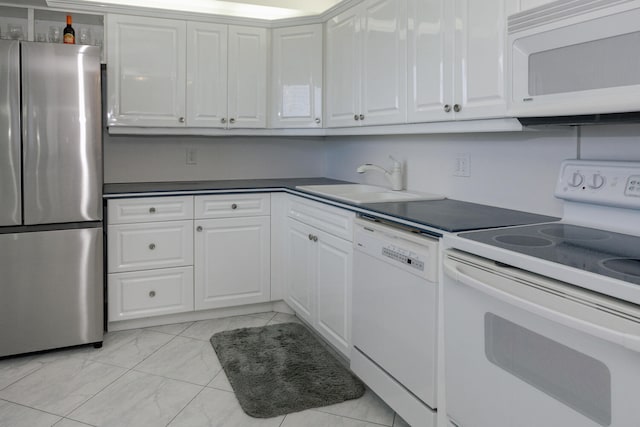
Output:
[[396, 163]]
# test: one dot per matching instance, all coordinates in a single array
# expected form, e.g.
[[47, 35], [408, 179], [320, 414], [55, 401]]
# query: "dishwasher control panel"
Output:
[[414, 253], [404, 256]]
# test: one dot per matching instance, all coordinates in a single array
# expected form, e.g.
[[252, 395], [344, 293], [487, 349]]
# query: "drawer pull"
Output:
[[152, 210], [234, 206], [152, 294], [152, 246], [310, 236], [199, 228], [315, 238]]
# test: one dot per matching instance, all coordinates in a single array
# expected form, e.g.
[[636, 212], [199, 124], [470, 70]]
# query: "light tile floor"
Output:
[[159, 376]]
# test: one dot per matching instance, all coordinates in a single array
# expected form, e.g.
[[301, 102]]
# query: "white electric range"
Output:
[[542, 322]]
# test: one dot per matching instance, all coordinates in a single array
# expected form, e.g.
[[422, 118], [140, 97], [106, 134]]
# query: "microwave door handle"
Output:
[[632, 342]]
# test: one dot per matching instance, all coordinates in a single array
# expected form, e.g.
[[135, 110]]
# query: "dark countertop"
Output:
[[446, 215]]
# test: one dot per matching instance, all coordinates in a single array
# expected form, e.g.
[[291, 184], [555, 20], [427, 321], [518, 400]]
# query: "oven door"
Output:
[[523, 350]]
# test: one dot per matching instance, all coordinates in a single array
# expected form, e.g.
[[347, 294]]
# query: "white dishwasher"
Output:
[[394, 317]]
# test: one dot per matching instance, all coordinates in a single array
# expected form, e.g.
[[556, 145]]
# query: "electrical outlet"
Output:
[[461, 166], [192, 156]]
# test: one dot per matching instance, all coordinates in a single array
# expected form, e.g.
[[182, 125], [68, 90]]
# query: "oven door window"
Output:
[[573, 378]]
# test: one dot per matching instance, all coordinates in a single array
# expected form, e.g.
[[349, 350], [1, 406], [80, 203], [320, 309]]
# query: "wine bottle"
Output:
[[69, 34]]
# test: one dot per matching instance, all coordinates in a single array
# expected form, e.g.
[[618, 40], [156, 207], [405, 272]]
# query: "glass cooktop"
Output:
[[609, 254]]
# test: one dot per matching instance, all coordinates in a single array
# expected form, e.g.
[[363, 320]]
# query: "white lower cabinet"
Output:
[[148, 293], [318, 273], [232, 262]]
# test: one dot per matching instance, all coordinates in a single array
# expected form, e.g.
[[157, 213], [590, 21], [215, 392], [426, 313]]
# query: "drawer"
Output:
[[148, 209], [330, 219], [152, 245], [150, 293], [232, 205]]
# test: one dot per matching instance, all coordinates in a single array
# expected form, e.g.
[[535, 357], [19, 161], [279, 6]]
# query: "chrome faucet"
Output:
[[394, 177]]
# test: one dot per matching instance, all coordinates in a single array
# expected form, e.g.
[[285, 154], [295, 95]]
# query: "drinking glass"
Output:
[[84, 36], [15, 32], [41, 37], [54, 34]]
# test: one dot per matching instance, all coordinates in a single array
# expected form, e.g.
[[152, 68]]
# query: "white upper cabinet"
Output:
[[247, 83], [457, 59], [366, 65], [206, 74], [530, 4], [146, 76], [171, 73], [297, 77]]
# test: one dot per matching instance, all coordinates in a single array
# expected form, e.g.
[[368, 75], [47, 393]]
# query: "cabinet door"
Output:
[[384, 67], [146, 72], [297, 77], [343, 68], [430, 61], [530, 4], [300, 269], [247, 103], [480, 63], [232, 263], [333, 288], [206, 75]]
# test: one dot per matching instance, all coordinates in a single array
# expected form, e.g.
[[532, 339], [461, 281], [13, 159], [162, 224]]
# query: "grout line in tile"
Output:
[[184, 407], [352, 418], [154, 352], [35, 409]]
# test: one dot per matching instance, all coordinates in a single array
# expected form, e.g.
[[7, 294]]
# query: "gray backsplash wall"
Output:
[[516, 170], [163, 158]]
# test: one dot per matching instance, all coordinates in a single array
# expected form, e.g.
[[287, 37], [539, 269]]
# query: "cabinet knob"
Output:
[[232, 120], [310, 236], [181, 119], [152, 294], [152, 210], [223, 120], [315, 238], [152, 246], [318, 120], [457, 108], [356, 117], [234, 206], [447, 108], [361, 116], [199, 228]]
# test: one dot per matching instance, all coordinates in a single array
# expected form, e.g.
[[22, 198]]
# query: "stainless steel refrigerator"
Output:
[[51, 242]]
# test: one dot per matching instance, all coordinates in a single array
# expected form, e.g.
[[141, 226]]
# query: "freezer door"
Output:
[[10, 165], [62, 138], [51, 290]]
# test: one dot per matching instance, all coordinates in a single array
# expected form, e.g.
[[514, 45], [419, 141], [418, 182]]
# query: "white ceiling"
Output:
[[258, 9]]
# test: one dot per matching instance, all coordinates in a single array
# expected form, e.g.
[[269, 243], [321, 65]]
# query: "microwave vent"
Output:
[[563, 9]]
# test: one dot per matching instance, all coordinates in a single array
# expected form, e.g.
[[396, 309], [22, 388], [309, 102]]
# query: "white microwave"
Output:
[[575, 57]]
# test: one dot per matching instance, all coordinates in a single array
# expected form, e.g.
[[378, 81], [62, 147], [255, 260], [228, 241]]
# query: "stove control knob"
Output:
[[576, 179], [597, 181]]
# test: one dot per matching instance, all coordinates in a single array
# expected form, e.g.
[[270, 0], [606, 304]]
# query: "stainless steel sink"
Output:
[[362, 193]]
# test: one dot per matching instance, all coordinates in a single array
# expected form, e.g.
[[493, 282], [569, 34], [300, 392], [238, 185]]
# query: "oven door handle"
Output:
[[622, 338]]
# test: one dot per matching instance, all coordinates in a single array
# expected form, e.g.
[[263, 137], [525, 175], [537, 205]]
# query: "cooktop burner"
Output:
[[609, 254]]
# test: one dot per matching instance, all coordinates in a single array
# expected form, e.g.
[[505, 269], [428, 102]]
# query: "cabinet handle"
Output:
[[199, 228], [152, 246], [181, 119], [361, 116], [318, 120], [223, 120], [232, 120], [315, 238], [447, 108], [457, 108], [152, 210], [234, 206], [356, 117], [152, 294], [310, 236]]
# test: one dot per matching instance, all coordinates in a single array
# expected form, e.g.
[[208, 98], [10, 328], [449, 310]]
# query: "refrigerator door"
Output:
[[10, 164], [51, 291], [62, 135]]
